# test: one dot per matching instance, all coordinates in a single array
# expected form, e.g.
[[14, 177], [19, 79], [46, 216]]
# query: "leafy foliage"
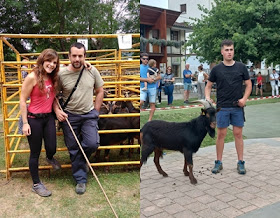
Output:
[[252, 24], [66, 17]]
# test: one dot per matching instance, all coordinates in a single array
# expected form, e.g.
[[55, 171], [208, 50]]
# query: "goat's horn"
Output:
[[206, 103]]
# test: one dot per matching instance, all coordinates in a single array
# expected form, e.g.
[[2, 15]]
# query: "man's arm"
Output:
[[208, 89], [188, 75], [99, 93], [248, 89], [149, 80], [158, 77]]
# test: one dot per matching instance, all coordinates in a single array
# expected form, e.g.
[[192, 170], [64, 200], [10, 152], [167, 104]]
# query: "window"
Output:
[[175, 35], [183, 8], [155, 34], [175, 70]]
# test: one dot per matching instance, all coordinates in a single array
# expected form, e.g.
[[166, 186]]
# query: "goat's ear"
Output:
[[218, 109], [203, 112]]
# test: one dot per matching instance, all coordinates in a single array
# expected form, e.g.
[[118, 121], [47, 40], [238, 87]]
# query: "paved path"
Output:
[[227, 194]]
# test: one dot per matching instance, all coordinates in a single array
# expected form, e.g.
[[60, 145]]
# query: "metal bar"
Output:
[[100, 132], [60, 36], [105, 83], [102, 164], [111, 147], [105, 99], [10, 46]]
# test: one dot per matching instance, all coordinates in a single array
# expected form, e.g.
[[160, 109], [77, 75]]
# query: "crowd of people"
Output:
[[192, 82], [154, 82]]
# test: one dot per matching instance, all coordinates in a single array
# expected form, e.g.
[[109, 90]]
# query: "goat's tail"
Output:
[[147, 146]]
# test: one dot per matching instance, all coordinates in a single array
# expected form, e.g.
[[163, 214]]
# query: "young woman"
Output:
[[201, 78], [38, 120], [168, 80]]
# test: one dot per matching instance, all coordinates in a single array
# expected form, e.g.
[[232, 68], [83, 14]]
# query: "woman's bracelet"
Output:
[[25, 122]]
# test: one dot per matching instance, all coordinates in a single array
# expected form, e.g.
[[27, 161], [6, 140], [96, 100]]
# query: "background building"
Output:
[[170, 20]]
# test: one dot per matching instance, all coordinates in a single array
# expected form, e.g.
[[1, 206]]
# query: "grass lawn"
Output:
[[121, 184], [181, 115]]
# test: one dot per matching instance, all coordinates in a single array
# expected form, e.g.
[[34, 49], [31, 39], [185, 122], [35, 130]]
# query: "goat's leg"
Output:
[[185, 170], [158, 154], [189, 160], [191, 176]]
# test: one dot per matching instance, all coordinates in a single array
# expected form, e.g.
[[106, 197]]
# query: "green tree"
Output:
[[252, 24], [131, 20], [65, 17]]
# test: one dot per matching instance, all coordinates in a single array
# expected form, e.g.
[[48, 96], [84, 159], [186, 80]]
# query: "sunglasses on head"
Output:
[[145, 58]]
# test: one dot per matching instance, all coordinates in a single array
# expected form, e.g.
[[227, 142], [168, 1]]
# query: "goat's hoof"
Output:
[[193, 181], [164, 174], [186, 173]]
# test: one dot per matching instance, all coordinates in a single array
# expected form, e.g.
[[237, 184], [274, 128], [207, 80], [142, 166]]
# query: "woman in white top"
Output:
[[273, 77], [201, 78]]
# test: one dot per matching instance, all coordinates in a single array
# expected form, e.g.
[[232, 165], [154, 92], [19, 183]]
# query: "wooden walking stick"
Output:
[[88, 163]]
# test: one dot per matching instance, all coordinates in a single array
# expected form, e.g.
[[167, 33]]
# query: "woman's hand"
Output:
[[61, 115], [26, 129], [87, 65]]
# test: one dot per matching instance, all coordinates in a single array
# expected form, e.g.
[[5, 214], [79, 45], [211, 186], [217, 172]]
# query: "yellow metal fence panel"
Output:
[[118, 68]]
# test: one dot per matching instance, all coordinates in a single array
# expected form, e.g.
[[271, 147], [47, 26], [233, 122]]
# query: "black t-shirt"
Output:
[[229, 80]]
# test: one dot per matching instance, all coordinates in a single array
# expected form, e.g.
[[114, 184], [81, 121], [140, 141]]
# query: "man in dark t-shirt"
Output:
[[229, 76]]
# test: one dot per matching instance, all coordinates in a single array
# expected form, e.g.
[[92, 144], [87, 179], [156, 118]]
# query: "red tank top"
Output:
[[41, 102]]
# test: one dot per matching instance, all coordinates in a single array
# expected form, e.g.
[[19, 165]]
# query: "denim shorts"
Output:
[[233, 116], [151, 92], [187, 86]]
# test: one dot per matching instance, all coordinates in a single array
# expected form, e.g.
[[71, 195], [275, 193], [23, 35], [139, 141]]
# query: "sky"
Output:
[[155, 3]]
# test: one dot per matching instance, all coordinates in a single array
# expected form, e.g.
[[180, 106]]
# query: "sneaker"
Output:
[[218, 166], [55, 164], [81, 188], [41, 190], [144, 89], [186, 102], [241, 167]]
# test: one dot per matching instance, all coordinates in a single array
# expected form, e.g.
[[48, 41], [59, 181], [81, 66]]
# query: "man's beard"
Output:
[[77, 65]]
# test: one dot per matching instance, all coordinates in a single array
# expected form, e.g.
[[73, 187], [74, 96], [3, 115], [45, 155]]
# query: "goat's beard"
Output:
[[211, 131]]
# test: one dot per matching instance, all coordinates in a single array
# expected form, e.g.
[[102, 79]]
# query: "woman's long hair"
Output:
[[46, 55]]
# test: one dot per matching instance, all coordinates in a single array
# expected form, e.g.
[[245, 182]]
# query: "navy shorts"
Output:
[[233, 116]]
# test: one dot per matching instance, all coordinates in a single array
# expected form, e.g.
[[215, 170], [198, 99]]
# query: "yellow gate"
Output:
[[120, 73]]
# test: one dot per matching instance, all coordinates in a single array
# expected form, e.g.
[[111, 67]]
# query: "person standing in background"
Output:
[[259, 84], [152, 89], [187, 74], [201, 78], [252, 75], [274, 79], [168, 80]]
